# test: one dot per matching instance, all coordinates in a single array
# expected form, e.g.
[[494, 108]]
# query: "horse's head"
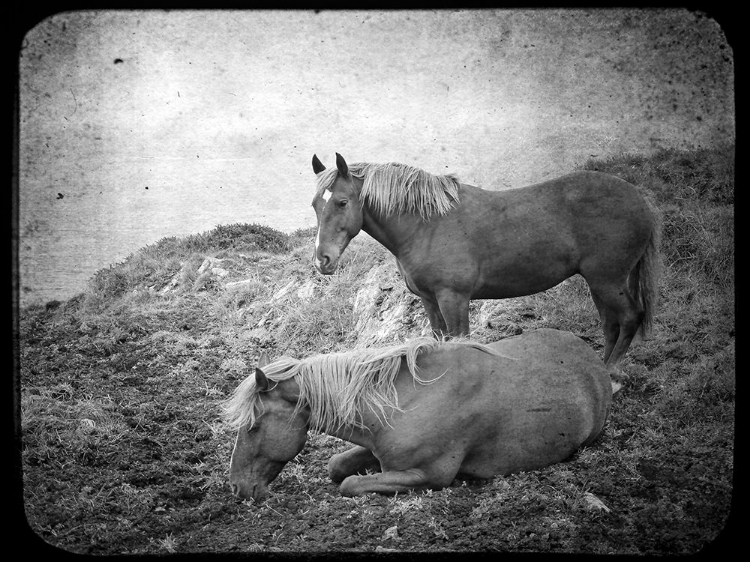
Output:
[[339, 215], [276, 437]]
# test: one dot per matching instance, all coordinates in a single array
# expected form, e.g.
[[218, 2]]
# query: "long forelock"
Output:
[[399, 188], [245, 406], [327, 177]]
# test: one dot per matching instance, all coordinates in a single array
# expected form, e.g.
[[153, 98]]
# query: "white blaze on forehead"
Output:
[[326, 195], [317, 244]]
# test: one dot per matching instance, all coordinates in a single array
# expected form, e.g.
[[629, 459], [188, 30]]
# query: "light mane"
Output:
[[337, 387], [398, 188]]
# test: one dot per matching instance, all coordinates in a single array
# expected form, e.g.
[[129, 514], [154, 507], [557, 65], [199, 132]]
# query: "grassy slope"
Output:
[[124, 450]]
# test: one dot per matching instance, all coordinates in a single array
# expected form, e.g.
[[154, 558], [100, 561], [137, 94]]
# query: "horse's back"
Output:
[[585, 184], [549, 345], [555, 362], [579, 196]]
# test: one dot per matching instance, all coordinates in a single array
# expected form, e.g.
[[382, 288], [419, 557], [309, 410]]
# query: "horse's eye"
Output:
[[343, 203]]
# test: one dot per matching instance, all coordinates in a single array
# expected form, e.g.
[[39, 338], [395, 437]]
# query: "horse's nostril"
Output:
[[323, 263]]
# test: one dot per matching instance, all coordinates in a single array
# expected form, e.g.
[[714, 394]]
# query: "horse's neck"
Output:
[[392, 231], [353, 434], [368, 429]]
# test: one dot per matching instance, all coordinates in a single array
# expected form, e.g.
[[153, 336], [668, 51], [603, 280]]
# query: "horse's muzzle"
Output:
[[326, 265], [255, 492]]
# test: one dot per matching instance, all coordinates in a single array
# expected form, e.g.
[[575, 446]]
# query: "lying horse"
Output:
[[455, 242], [422, 413]]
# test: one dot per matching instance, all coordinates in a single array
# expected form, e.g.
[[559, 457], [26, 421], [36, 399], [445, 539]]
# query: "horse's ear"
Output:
[[317, 164], [261, 382], [263, 359], [341, 165]]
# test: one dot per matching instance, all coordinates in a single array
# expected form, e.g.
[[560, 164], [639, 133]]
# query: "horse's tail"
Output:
[[644, 279]]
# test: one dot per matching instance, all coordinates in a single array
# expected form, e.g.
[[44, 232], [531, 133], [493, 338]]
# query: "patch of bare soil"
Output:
[[144, 468]]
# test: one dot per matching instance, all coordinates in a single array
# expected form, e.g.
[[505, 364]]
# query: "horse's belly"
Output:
[[524, 276], [533, 437], [503, 287]]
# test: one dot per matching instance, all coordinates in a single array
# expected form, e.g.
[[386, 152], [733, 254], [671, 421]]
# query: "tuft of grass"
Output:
[[694, 191], [237, 236], [703, 175], [701, 241], [153, 266]]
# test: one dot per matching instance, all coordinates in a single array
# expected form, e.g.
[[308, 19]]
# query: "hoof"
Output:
[[617, 379], [349, 488], [616, 387]]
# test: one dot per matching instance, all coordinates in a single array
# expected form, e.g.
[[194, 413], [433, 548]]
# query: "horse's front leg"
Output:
[[432, 309], [357, 460], [454, 308], [389, 482], [430, 304]]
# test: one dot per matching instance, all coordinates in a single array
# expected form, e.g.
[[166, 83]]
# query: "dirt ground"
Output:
[[126, 453]]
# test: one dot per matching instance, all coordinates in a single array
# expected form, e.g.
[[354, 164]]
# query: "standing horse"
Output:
[[422, 413], [454, 242]]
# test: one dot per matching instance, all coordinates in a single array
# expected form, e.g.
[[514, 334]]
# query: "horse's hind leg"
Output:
[[610, 325], [357, 460], [611, 334], [621, 317]]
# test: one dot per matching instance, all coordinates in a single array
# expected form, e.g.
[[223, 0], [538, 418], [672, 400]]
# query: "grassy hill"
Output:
[[124, 450]]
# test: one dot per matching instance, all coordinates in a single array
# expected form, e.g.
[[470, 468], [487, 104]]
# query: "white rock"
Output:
[[207, 262], [306, 291], [592, 502], [380, 308], [239, 285], [281, 293], [172, 283], [391, 533]]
